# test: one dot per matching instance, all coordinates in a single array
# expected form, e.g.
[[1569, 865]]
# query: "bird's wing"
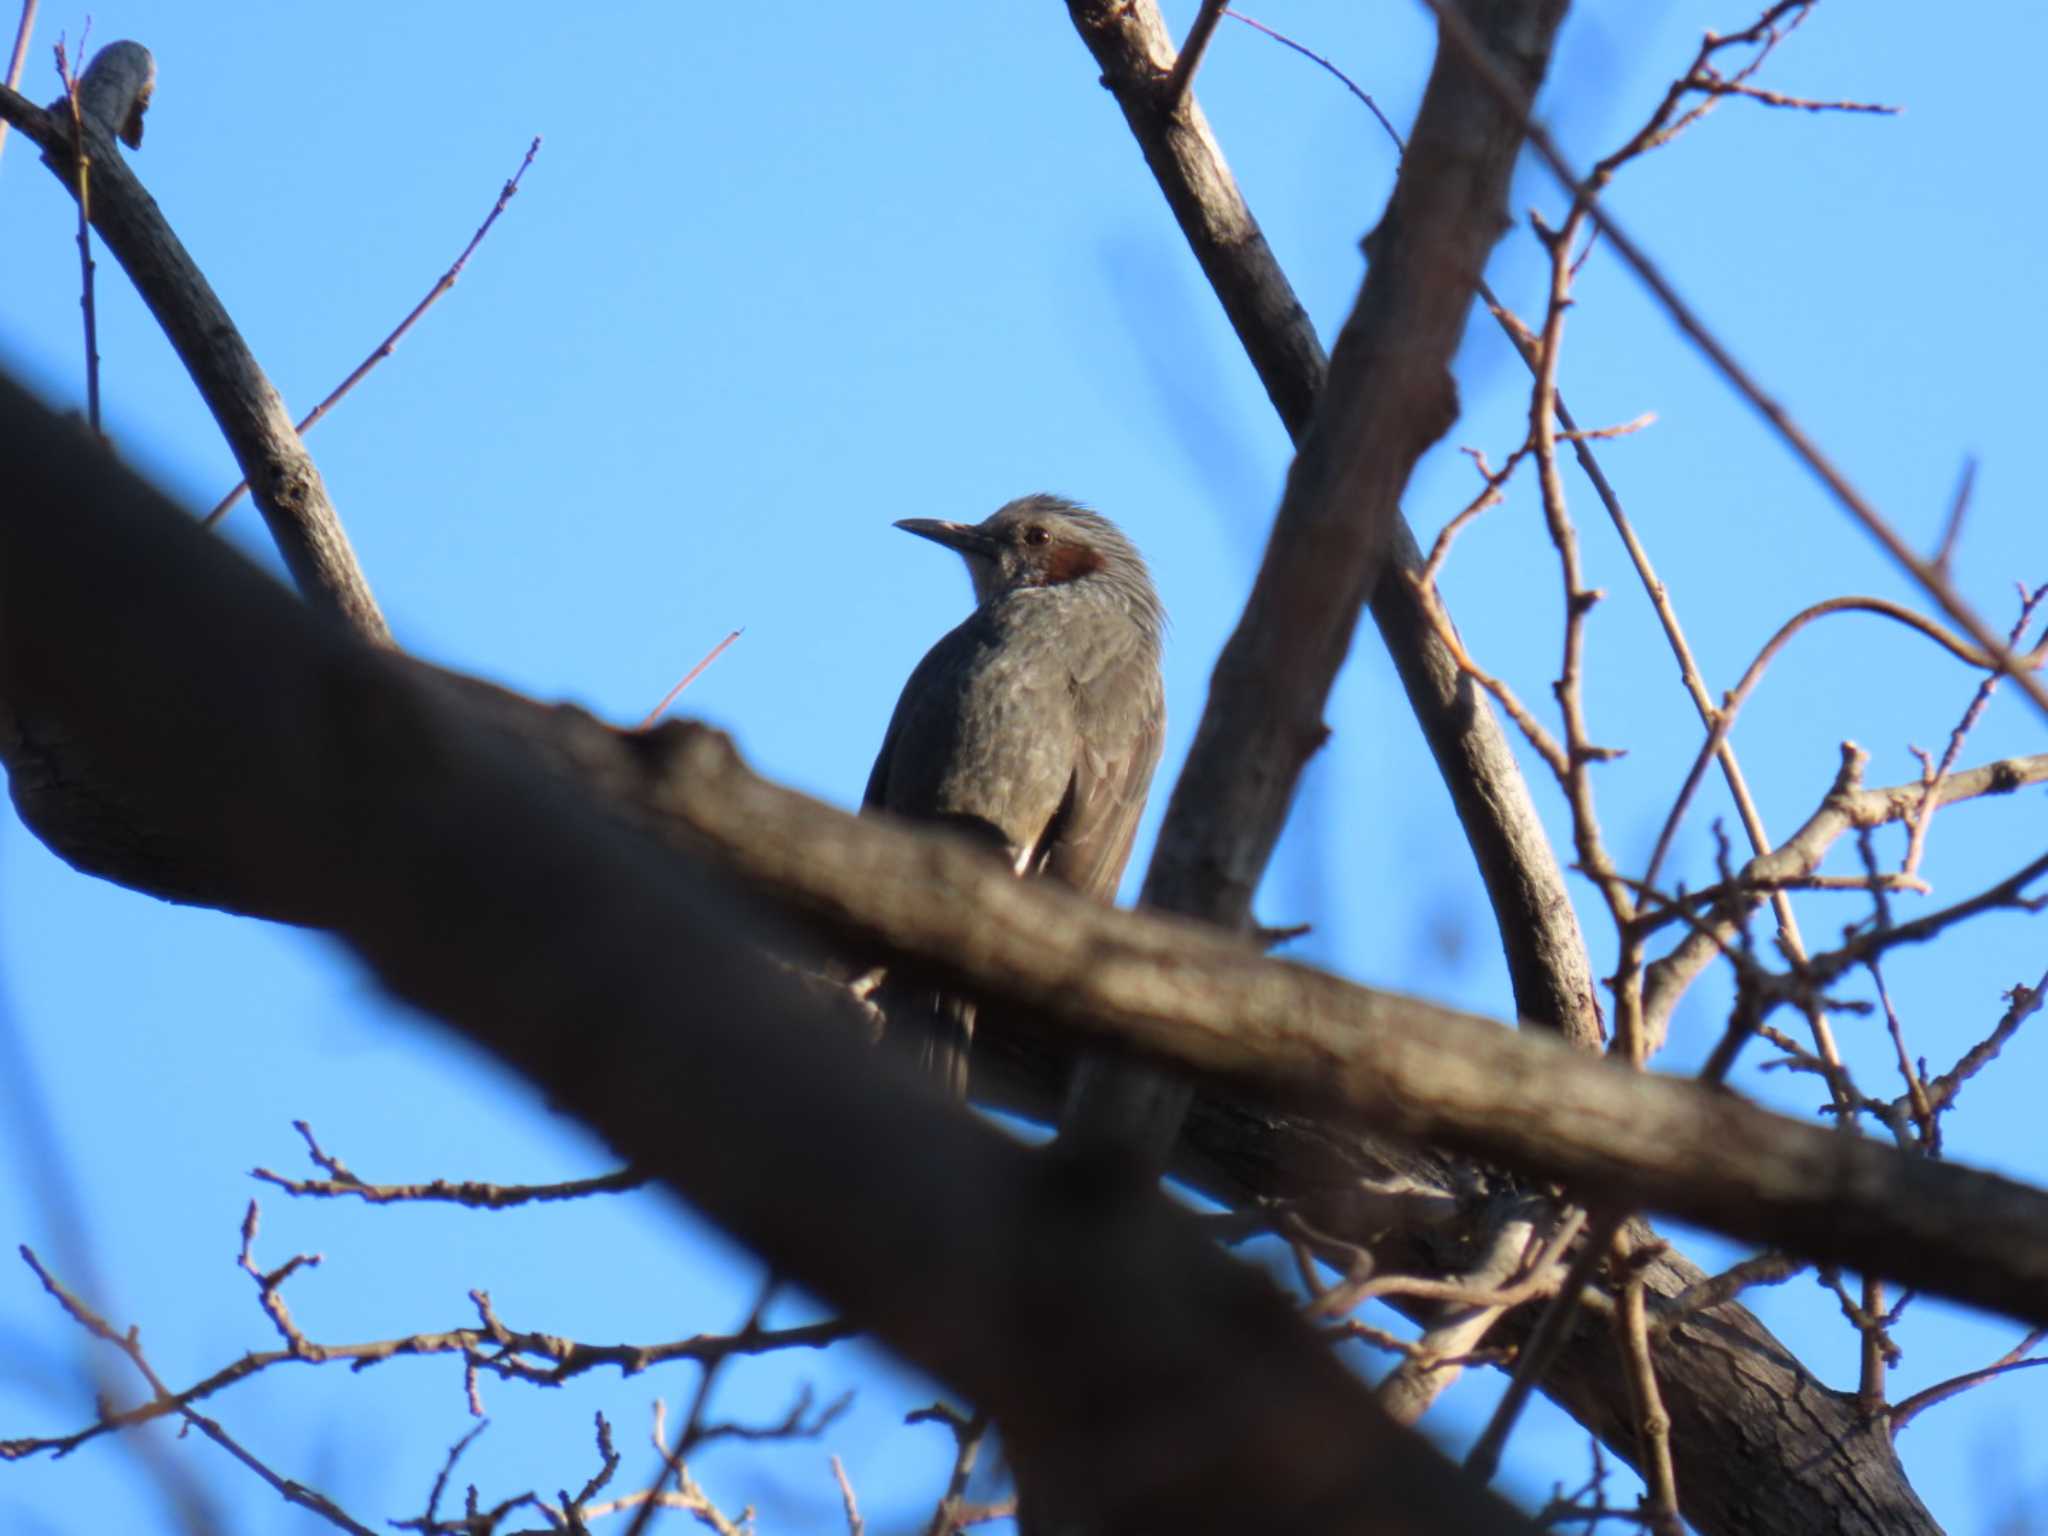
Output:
[[927, 692], [878, 776], [1090, 841]]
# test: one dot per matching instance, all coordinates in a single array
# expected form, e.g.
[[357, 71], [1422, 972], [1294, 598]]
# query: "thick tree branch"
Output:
[[1171, 989], [1539, 930], [1144, 1380], [283, 480]]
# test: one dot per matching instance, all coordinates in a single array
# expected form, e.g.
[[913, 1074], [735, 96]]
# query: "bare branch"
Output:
[[1652, 1423], [389, 344], [342, 1182], [288, 488], [1846, 807], [1546, 954], [1540, 1352], [1514, 96], [24, 29], [2019, 1358], [855, 1526], [1189, 59], [130, 1344], [319, 840]]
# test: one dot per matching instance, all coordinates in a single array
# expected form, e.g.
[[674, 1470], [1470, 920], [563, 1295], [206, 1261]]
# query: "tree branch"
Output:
[[1546, 954], [624, 977], [284, 481], [1168, 988]]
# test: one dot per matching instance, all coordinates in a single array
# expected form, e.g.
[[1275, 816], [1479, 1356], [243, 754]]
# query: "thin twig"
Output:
[[342, 1182], [1652, 1421], [1349, 84], [1923, 816], [130, 1344], [2025, 1001], [1764, 1269], [539, 1359], [1899, 1415], [689, 677], [1724, 719], [390, 343], [1551, 1330], [968, 1433], [81, 162], [19, 59], [1958, 507], [1460, 32], [855, 1526]]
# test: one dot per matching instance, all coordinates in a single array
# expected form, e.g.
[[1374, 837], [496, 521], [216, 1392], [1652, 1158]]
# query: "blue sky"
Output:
[[782, 275]]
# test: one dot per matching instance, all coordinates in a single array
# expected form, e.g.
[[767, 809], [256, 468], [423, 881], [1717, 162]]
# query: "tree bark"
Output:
[[1144, 1380]]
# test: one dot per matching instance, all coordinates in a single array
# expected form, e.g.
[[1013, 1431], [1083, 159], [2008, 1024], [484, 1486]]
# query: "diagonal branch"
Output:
[[313, 803], [1546, 954], [1514, 96], [1386, 397], [285, 482], [626, 977], [135, 760]]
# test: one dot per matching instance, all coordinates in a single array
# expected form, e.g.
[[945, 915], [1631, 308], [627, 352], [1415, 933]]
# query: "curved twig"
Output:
[[1731, 706]]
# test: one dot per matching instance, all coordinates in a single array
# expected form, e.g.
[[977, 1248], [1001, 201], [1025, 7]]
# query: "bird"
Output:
[[1035, 725]]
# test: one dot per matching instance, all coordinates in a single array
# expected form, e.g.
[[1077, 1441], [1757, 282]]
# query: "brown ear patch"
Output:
[[1066, 562]]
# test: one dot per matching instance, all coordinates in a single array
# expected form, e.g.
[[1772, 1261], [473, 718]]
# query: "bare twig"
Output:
[[2019, 1358], [689, 677], [855, 1526], [1515, 99], [19, 58], [1923, 816], [1652, 1422], [389, 344], [1724, 718], [130, 1344], [1431, 1365], [81, 170], [1846, 806], [539, 1359], [1483, 1460], [968, 1431], [1764, 1269], [2024, 1001], [1349, 84], [342, 1182], [1958, 508]]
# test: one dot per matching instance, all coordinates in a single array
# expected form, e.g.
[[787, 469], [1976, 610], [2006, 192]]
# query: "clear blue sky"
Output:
[[782, 275]]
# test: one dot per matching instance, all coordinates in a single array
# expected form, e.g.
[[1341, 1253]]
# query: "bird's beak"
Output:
[[964, 538]]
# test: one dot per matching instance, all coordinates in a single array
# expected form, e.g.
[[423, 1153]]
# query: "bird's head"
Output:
[[1046, 541]]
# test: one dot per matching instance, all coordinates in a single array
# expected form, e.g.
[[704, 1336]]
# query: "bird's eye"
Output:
[[1037, 533]]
